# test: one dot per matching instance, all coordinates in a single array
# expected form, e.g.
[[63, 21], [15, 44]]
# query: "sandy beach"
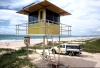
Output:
[[84, 60], [17, 44]]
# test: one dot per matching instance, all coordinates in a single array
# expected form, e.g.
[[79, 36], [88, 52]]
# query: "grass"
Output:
[[6, 50], [40, 45], [11, 59], [92, 45]]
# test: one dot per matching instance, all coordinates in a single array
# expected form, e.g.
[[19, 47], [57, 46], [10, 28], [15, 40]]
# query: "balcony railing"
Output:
[[22, 29]]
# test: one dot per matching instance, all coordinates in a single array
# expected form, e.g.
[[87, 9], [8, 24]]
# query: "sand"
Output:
[[84, 60], [17, 44]]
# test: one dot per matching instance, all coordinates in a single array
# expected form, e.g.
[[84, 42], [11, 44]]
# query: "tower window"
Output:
[[50, 15], [33, 17]]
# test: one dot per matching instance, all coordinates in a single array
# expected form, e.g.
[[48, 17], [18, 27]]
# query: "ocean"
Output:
[[20, 38], [16, 37]]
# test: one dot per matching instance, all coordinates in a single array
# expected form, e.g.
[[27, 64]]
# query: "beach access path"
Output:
[[85, 60]]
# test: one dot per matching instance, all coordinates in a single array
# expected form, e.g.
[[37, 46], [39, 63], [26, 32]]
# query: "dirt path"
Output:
[[84, 60]]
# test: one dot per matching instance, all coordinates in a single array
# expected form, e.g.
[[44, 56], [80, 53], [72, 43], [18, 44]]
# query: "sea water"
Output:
[[21, 38]]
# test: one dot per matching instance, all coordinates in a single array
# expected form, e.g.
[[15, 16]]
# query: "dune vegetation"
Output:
[[92, 45], [10, 58]]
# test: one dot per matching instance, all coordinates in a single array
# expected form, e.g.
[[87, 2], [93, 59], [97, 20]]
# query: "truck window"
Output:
[[76, 47], [69, 47], [72, 47]]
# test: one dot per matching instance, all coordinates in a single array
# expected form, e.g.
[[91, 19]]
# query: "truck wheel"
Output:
[[70, 54], [78, 54], [53, 52]]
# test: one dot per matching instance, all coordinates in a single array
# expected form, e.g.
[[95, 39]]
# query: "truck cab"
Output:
[[70, 49]]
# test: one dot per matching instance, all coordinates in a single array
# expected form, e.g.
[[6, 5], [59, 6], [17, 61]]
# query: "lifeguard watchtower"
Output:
[[43, 19]]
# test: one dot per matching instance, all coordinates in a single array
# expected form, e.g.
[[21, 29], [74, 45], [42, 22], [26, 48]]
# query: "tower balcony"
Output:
[[43, 27]]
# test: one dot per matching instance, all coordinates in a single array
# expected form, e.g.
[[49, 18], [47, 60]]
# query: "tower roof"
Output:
[[44, 4]]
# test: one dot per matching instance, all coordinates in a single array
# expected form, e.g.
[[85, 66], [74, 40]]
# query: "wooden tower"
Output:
[[43, 18]]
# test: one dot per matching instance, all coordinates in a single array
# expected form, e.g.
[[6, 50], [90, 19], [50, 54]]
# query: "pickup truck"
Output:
[[70, 49]]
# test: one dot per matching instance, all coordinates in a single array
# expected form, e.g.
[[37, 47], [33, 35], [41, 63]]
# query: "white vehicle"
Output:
[[70, 49]]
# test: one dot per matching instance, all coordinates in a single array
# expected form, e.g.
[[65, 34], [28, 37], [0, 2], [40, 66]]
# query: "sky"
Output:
[[85, 18]]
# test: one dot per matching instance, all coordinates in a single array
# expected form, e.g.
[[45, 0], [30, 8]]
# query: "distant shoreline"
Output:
[[21, 38], [11, 40]]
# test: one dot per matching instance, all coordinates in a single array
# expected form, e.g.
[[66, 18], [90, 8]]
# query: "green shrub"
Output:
[[49, 43], [92, 45], [6, 50], [64, 41], [40, 45], [12, 60]]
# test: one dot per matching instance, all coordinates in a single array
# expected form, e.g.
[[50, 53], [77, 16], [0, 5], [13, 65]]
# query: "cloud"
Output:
[[15, 4], [85, 16], [98, 30], [95, 31], [6, 30], [20, 3], [10, 18], [84, 20]]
